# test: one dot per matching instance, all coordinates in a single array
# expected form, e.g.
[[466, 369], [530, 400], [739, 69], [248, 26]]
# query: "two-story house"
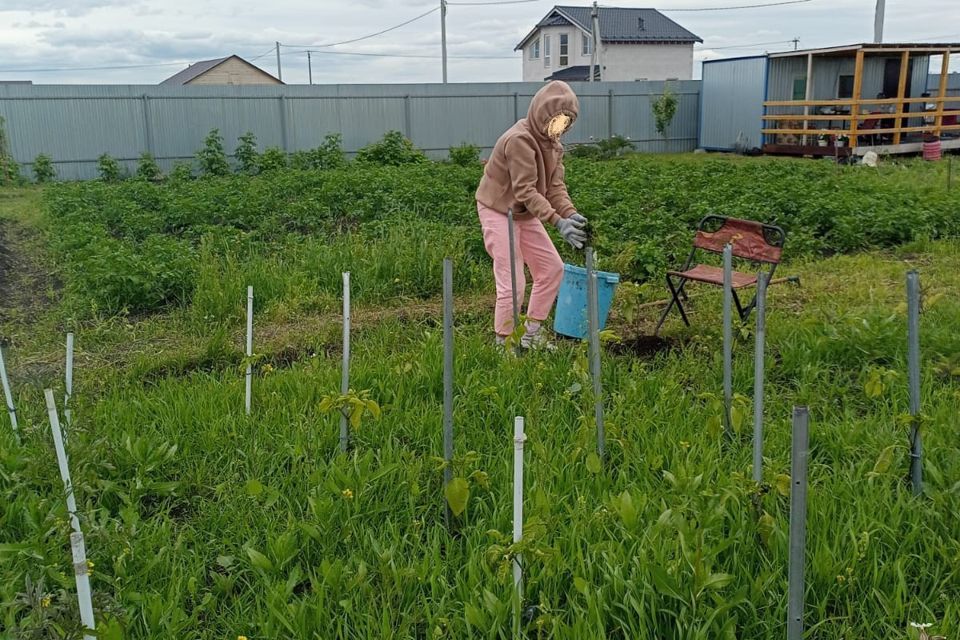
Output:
[[635, 44]]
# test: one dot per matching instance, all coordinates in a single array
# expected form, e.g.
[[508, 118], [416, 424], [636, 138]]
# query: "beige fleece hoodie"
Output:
[[525, 170]]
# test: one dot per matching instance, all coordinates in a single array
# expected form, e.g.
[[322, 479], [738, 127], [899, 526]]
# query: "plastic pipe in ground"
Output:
[[593, 317], [728, 339], [8, 396], [518, 441], [80, 568], [67, 411], [345, 377], [913, 367], [511, 237], [758, 373], [798, 523], [448, 374], [248, 403]]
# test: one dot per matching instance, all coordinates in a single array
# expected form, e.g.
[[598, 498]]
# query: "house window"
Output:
[[535, 50], [564, 49], [800, 88], [546, 51], [587, 48], [845, 87]]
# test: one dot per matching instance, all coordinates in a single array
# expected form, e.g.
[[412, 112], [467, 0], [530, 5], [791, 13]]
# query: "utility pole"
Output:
[[796, 43], [279, 70], [878, 21], [443, 37], [594, 51], [309, 68]]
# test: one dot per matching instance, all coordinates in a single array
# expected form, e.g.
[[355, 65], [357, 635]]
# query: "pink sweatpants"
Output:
[[533, 248]]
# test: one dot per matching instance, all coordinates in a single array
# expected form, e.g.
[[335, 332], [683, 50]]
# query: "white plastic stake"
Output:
[[518, 439], [77, 547], [249, 395], [758, 378], [8, 395], [67, 411], [728, 339], [345, 379]]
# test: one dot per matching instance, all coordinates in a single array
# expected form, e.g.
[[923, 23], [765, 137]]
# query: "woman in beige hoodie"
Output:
[[525, 173]]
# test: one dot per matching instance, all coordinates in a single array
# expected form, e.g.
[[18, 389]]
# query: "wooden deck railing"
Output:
[[851, 118]]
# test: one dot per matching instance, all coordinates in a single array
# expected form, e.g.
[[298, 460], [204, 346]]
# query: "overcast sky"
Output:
[[50, 39]]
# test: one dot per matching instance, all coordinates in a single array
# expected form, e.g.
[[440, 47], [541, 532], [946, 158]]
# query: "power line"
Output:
[[366, 37], [488, 4], [744, 6], [116, 67], [403, 55]]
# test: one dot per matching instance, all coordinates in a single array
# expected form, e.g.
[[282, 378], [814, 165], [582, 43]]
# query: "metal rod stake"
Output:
[[345, 379], [913, 366], [798, 522], [593, 315], [758, 378], [728, 339], [448, 374]]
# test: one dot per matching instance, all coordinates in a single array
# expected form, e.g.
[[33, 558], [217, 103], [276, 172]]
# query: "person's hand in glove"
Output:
[[573, 230]]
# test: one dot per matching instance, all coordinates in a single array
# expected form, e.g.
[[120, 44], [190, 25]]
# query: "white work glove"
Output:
[[573, 230]]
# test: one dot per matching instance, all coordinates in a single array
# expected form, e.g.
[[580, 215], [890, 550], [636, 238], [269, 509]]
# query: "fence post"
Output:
[[345, 378], [758, 372], [593, 317], [8, 396], [798, 523], [284, 134], [728, 339], [147, 130], [518, 440], [913, 366], [516, 106], [610, 113], [407, 118], [448, 376], [77, 548]]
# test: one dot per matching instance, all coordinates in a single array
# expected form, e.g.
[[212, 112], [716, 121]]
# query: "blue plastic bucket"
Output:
[[571, 318]]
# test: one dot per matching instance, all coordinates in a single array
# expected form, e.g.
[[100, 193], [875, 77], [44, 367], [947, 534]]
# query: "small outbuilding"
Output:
[[833, 101], [228, 70]]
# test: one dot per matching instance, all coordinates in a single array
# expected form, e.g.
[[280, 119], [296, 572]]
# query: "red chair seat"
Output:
[[714, 275]]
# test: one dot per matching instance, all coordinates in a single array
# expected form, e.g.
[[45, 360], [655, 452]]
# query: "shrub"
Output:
[[9, 169], [603, 149], [212, 158], [182, 171], [664, 109], [392, 151], [148, 169], [109, 168], [246, 154], [465, 155], [329, 155], [43, 169], [273, 159]]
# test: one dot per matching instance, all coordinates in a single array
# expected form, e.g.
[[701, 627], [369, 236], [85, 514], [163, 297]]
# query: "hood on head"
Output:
[[556, 98]]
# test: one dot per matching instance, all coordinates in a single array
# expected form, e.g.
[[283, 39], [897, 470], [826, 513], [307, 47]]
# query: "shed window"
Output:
[[800, 88], [845, 87]]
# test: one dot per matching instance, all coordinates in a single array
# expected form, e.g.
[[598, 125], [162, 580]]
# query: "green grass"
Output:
[[205, 523]]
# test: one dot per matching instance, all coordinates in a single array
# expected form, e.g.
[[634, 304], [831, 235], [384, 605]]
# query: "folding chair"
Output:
[[755, 242]]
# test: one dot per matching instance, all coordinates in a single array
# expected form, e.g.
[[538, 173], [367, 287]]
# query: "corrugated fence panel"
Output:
[[732, 96], [74, 124]]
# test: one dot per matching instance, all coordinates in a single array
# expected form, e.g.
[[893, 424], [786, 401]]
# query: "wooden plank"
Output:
[[808, 94], [806, 150], [902, 91], [944, 77], [861, 132], [846, 118], [857, 93], [844, 103]]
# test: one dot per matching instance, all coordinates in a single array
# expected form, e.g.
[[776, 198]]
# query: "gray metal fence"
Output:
[[75, 124]]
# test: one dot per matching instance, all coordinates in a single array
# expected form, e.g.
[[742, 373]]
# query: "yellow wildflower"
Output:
[[45, 601], [684, 444], [347, 494], [241, 637]]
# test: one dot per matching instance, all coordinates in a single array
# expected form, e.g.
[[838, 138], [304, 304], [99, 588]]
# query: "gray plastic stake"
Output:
[[593, 313], [758, 378], [345, 379], [448, 374], [513, 270], [67, 411], [248, 398], [77, 547], [728, 339], [913, 366], [8, 396], [798, 522]]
